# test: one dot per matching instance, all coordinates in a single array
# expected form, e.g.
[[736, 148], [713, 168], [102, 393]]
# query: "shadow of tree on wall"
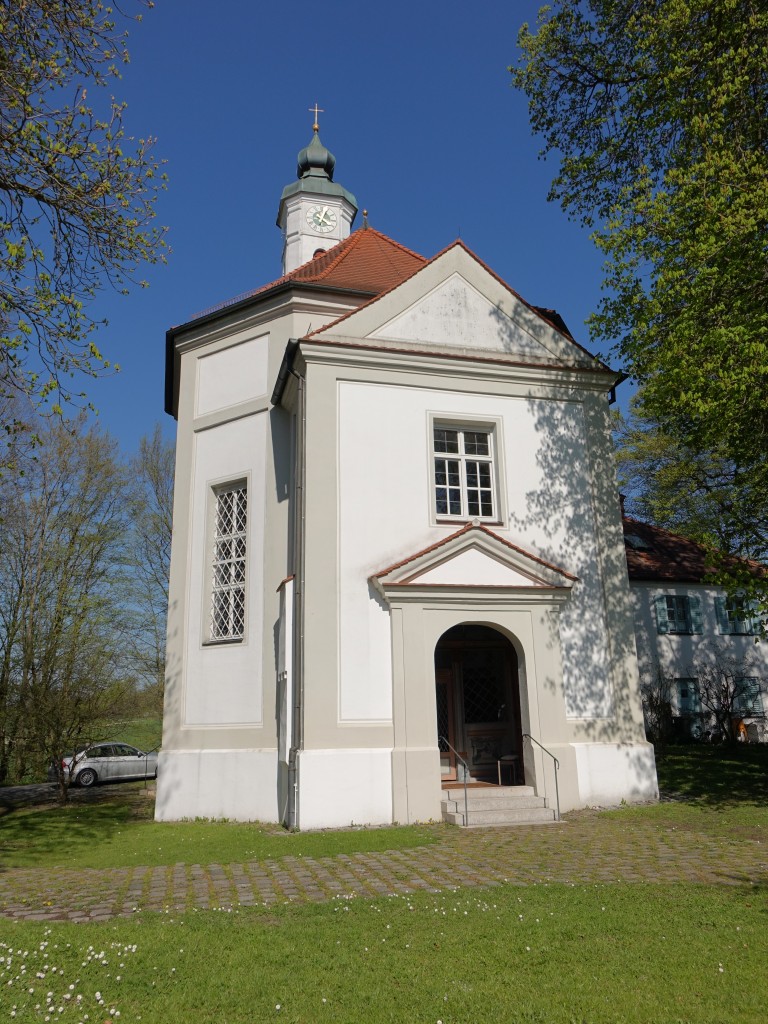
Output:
[[572, 518]]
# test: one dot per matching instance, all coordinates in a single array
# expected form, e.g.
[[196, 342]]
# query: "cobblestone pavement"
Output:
[[589, 847]]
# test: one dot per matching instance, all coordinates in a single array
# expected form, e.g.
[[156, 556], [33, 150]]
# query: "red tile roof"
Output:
[[656, 554], [367, 261]]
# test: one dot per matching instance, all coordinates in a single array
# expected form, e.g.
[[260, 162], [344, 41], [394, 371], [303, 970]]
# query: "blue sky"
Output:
[[419, 112]]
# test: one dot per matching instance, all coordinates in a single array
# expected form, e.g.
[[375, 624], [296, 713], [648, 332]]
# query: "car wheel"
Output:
[[87, 777]]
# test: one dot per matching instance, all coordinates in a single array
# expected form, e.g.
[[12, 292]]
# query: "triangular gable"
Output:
[[455, 304], [473, 557]]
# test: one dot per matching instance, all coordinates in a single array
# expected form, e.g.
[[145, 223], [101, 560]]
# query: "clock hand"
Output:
[[323, 215]]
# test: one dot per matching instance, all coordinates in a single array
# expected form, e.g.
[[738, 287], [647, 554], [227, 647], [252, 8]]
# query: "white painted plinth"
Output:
[[611, 772], [345, 787], [237, 784]]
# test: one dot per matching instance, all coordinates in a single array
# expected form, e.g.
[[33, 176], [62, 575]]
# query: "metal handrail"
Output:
[[466, 773], [527, 736]]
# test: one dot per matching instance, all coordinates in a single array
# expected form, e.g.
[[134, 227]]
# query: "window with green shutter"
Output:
[[678, 613], [737, 616], [688, 700], [747, 698]]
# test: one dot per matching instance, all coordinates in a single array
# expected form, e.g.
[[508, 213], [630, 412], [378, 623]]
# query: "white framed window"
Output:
[[228, 562], [688, 700], [464, 471], [678, 613]]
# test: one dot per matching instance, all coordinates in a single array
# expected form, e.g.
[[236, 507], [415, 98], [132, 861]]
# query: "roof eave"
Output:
[[171, 369]]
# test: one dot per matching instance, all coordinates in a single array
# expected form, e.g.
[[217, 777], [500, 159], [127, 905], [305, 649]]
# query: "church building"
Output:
[[397, 551]]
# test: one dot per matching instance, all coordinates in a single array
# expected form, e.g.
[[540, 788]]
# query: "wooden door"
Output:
[[478, 703]]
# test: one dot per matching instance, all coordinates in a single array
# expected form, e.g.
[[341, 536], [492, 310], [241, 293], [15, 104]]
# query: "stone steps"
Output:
[[496, 805]]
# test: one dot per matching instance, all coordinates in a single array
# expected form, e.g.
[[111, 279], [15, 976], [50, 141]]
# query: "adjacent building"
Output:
[[696, 646]]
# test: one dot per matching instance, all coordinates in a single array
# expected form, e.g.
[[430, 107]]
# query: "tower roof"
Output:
[[315, 160], [314, 170]]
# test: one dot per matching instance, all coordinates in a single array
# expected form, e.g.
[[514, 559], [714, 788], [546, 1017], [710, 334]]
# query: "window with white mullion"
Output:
[[448, 486], [228, 570], [678, 614], [464, 480]]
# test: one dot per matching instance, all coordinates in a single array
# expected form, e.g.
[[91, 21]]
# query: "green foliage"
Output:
[[77, 193], [152, 471], [703, 494], [707, 494], [63, 522], [658, 114], [83, 594]]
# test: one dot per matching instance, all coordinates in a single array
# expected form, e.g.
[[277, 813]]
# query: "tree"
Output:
[[723, 691], [706, 495], [728, 691], [77, 194], [657, 109], [149, 558], [62, 666], [656, 691]]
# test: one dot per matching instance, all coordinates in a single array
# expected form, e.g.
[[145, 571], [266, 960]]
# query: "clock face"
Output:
[[321, 218]]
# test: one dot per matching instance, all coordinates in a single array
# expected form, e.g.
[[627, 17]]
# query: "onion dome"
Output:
[[315, 161]]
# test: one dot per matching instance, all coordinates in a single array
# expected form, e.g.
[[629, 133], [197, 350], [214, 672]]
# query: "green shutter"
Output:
[[754, 620], [662, 621], [747, 696], [723, 622], [697, 618]]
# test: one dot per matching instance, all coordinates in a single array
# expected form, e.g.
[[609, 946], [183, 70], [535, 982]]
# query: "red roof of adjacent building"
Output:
[[657, 554]]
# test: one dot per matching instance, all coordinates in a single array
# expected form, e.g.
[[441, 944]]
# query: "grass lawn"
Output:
[[607, 953], [618, 953], [713, 776], [145, 732], [118, 831], [720, 792]]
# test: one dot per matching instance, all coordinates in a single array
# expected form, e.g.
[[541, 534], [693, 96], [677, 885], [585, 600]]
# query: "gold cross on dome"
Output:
[[317, 110]]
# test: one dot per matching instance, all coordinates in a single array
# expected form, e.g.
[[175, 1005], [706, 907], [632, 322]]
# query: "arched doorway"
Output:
[[478, 704]]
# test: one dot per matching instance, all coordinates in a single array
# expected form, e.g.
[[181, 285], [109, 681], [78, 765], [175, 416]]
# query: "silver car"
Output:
[[109, 762]]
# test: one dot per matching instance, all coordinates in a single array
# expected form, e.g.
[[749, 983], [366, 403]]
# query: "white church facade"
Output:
[[397, 541]]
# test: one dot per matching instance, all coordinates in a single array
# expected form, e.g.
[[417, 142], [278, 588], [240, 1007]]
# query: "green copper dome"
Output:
[[315, 160], [315, 178]]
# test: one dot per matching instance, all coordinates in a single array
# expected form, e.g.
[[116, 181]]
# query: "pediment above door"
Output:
[[474, 559]]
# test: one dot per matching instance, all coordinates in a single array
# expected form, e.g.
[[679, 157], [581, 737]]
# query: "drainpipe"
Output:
[[297, 724]]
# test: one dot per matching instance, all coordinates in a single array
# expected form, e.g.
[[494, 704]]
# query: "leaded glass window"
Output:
[[228, 571], [464, 480]]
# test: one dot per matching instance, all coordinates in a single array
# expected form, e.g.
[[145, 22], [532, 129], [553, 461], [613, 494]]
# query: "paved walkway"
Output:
[[589, 848]]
